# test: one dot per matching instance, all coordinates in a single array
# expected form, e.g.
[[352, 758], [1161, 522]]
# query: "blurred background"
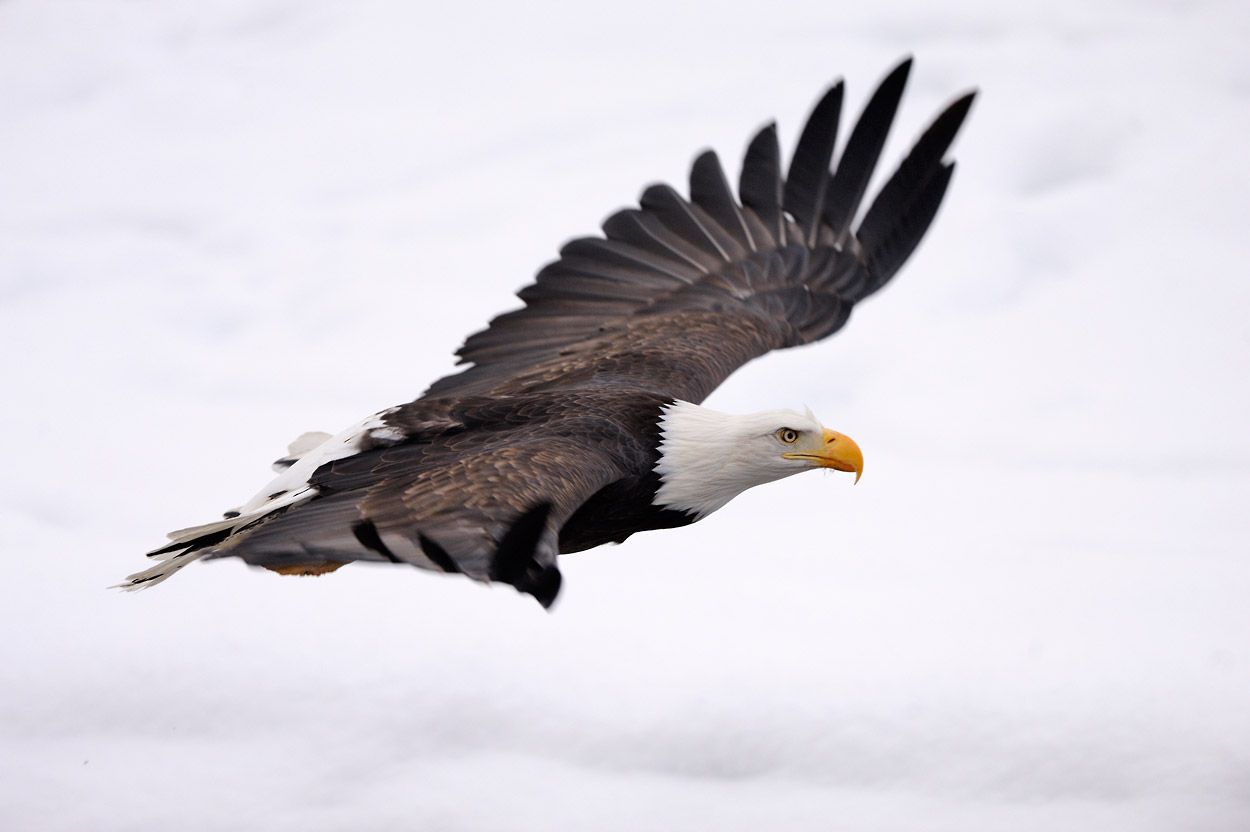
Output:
[[226, 223]]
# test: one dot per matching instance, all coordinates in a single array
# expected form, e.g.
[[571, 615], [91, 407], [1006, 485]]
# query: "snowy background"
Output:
[[223, 224]]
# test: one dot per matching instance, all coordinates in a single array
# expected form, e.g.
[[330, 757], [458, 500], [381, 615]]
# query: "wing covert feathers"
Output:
[[786, 250]]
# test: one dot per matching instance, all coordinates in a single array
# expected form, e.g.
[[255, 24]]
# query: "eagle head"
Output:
[[706, 458]]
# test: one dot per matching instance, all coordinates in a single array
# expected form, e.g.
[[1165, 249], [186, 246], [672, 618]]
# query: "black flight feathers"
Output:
[[780, 237], [808, 179], [514, 562]]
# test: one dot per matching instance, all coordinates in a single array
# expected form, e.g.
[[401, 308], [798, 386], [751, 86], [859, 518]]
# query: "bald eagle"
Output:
[[579, 420]]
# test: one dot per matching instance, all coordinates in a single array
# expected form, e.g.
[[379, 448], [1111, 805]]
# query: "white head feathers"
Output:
[[707, 458]]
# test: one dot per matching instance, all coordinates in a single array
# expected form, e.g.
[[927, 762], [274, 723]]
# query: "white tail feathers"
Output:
[[193, 532], [291, 487], [169, 563]]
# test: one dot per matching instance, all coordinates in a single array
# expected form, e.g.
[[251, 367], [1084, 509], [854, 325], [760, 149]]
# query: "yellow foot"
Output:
[[320, 568]]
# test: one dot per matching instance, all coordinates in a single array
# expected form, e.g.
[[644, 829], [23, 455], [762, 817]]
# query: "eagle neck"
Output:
[[699, 467]]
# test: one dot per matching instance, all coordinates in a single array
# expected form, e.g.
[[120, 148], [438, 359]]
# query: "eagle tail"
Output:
[[185, 546], [167, 564]]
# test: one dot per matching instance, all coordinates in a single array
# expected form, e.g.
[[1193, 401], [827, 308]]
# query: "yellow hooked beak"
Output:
[[838, 452]]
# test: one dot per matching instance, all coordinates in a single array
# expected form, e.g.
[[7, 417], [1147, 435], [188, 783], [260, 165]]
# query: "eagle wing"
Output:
[[681, 292]]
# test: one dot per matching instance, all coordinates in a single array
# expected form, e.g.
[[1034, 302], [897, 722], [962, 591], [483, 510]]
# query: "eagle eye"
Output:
[[788, 435]]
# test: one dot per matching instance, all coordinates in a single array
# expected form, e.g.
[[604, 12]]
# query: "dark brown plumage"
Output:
[[547, 443]]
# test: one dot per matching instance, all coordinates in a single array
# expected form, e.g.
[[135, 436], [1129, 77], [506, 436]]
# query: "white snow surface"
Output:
[[224, 223]]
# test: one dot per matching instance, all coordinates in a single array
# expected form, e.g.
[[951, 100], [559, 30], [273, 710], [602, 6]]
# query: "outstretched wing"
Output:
[[679, 293]]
